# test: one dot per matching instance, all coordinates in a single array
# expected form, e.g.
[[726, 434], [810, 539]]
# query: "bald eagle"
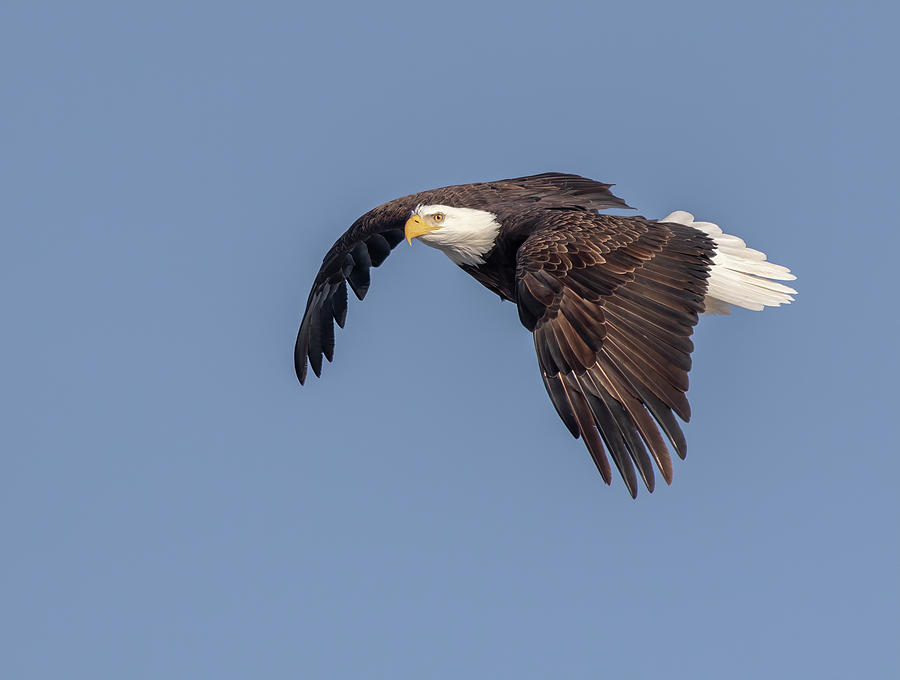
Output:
[[611, 301]]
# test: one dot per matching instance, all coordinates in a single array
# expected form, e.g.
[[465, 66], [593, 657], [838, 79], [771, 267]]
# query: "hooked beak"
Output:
[[415, 227]]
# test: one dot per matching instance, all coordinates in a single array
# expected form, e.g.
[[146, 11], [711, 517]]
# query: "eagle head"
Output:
[[465, 235]]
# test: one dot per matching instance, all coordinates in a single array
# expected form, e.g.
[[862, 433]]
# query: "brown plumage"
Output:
[[611, 302]]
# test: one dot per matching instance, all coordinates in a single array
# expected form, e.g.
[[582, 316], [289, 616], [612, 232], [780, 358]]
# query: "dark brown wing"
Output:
[[370, 240], [612, 302], [366, 244]]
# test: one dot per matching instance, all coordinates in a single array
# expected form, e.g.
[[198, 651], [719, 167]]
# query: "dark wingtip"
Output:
[[316, 365], [679, 441], [300, 362], [300, 370], [630, 480]]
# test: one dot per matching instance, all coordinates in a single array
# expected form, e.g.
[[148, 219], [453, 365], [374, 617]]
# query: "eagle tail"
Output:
[[740, 275]]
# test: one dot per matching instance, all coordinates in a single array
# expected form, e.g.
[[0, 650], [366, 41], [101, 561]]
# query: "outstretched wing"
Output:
[[372, 237], [364, 245], [612, 303]]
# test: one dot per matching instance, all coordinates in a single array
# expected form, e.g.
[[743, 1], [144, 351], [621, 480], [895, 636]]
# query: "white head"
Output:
[[464, 234]]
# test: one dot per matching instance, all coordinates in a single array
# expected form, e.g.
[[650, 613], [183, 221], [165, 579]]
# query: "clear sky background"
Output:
[[174, 505]]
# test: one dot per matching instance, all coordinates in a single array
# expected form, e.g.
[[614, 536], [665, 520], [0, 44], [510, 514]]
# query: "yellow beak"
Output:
[[415, 226]]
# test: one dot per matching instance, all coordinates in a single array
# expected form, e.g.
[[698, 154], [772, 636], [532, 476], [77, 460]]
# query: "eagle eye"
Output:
[[437, 217]]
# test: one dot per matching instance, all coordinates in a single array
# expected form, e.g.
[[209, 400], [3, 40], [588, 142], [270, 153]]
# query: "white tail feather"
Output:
[[740, 275]]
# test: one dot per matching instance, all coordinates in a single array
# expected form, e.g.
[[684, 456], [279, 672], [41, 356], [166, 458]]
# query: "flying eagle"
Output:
[[611, 301]]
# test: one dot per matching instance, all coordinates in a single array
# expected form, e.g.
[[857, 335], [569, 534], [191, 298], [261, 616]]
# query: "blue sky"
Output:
[[174, 505]]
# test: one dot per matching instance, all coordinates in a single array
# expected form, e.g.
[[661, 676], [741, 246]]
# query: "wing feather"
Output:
[[365, 245], [561, 402], [585, 419], [379, 248], [609, 433], [339, 303], [612, 303], [607, 377]]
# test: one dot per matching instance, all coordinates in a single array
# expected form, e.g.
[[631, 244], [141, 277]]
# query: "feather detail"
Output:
[[611, 302]]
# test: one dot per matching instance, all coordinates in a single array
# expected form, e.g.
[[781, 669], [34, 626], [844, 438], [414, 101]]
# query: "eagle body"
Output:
[[611, 301]]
